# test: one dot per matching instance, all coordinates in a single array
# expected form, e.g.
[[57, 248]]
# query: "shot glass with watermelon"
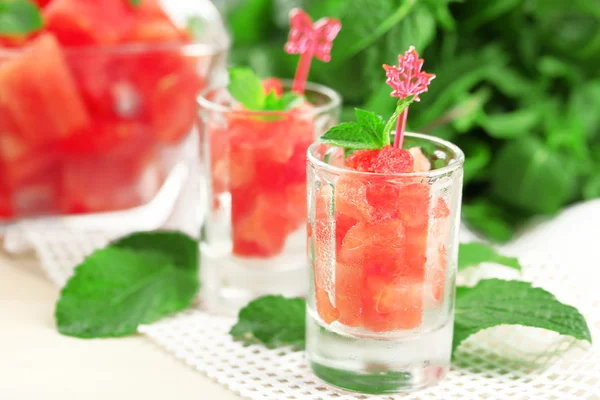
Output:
[[254, 233], [254, 138], [97, 106], [382, 243]]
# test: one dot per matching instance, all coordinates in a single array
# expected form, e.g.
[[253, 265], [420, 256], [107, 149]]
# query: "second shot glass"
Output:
[[383, 251], [254, 232]]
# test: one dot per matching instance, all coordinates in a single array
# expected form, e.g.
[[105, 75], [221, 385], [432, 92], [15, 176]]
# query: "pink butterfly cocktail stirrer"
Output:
[[309, 41], [406, 80]]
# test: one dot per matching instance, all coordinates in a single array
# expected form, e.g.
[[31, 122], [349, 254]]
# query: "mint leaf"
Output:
[[372, 125], [366, 133], [272, 102], [246, 87], [137, 279], [496, 302], [116, 289], [179, 247], [285, 102], [19, 18], [473, 254], [135, 3], [289, 100], [350, 135], [273, 321]]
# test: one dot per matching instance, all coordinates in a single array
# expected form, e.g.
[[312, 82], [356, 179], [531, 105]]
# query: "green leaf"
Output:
[[484, 11], [116, 289], [135, 3], [246, 87], [454, 79], [366, 133], [496, 302], [286, 101], [469, 110], [473, 254], [289, 100], [512, 125], [179, 247], [272, 102], [417, 29], [371, 125], [19, 18], [273, 321], [440, 9], [350, 135], [359, 32], [527, 175], [510, 82]]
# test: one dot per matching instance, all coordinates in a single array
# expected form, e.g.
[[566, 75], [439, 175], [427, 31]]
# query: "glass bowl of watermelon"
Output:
[[97, 104]]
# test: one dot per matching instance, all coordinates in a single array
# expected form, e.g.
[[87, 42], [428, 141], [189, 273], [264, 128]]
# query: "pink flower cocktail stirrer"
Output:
[[407, 80], [309, 41]]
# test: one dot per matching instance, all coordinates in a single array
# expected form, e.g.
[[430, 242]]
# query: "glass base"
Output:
[[229, 283], [390, 363]]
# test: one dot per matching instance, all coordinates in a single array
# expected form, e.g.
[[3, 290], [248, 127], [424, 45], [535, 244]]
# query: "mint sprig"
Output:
[[368, 132], [364, 134], [136, 280], [19, 18], [247, 88], [273, 321]]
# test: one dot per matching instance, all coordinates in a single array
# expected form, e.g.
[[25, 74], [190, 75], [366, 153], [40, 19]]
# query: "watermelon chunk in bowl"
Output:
[[91, 103]]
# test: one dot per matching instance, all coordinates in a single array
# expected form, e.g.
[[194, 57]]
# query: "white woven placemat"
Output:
[[500, 363]]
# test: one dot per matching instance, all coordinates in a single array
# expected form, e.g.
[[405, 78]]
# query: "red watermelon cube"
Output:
[[153, 25], [38, 96], [20, 163], [89, 22]]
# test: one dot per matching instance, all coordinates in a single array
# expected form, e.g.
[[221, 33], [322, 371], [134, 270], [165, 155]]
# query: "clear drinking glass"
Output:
[[383, 251], [103, 136], [254, 233]]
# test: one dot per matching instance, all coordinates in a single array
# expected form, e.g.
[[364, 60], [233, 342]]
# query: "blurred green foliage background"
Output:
[[517, 87]]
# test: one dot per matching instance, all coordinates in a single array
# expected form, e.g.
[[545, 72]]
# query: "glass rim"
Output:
[[188, 49], [335, 100], [456, 164]]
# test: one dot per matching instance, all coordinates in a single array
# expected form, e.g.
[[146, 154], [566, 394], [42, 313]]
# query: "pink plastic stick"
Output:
[[302, 71], [406, 80], [309, 40], [400, 128]]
